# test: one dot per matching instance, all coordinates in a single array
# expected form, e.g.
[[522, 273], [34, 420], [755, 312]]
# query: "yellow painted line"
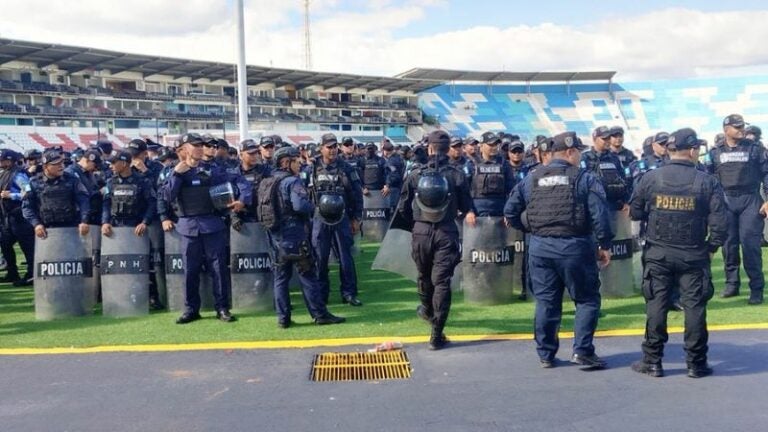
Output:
[[313, 343]]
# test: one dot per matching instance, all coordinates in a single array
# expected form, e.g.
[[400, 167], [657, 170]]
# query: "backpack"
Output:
[[268, 202]]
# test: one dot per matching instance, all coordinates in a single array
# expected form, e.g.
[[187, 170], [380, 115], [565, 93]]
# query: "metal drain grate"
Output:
[[361, 366]]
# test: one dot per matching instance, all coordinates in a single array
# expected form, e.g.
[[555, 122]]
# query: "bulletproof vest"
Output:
[[270, 208], [615, 189], [373, 174], [325, 180], [195, 200], [736, 169], [553, 209], [678, 213], [126, 202], [57, 204], [488, 181], [6, 178], [254, 178]]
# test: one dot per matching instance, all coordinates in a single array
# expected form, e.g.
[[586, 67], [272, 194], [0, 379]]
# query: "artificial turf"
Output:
[[389, 311]]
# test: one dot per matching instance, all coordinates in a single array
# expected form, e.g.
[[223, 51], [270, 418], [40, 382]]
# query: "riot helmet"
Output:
[[433, 196], [331, 208]]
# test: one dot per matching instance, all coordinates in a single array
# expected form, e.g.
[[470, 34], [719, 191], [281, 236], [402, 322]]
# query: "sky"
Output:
[[641, 39]]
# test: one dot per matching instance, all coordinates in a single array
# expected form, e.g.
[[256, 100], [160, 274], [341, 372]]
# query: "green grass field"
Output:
[[389, 311]]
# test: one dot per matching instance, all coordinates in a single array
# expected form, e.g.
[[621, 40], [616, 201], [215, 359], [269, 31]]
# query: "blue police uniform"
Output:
[[14, 227], [91, 186], [742, 169], [56, 202], [465, 165], [395, 175], [253, 176], [290, 245], [608, 168], [129, 201], [374, 172], [203, 239], [565, 210], [490, 186], [338, 177]]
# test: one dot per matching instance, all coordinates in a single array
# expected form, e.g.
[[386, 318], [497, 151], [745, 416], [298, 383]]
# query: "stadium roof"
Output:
[[78, 59], [444, 75]]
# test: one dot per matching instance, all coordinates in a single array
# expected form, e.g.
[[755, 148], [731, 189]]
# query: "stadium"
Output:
[[71, 96], [120, 317]]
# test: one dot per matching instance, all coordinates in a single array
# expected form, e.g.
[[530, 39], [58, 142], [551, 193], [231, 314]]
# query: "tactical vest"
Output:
[[736, 169], [488, 181], [254, 178], [615, 188], [195, 200], [678, 213], [373, 175], [270, 208], [326, 181], [57, 204], [6, 178], [553, 209], [126, 202]]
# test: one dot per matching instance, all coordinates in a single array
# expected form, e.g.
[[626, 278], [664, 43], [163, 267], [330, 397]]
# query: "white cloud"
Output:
[[666, 43]]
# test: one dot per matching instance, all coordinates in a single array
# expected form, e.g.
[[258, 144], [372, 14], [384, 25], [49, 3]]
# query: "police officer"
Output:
[[492, 180], [374, 170], [433, 196], [680, 205], [129, 200], [203, 240], [395, 173], [337, 193], [267, 145], [470, 148], [287, 222], [169, 158], [55, 199], [32, 162], [457, 159], [564, 209], [625, 155], [515, 155], [348, 155], [754, 133], [253, 171], [140, 162], [13, 183], [601, 161], [742, 167], [655, 157]]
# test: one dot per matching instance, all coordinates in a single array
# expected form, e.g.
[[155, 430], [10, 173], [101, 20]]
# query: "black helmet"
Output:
[[166, 153], [433, 196], [285, 152], [754, 130], [331, 208]]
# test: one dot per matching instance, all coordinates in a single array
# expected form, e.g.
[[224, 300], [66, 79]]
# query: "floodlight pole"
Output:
[[242, 83]]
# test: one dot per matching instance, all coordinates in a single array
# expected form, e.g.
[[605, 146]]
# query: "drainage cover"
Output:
[[361, 366]]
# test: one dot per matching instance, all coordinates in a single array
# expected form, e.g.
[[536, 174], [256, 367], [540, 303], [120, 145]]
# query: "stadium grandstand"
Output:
[[54, 94]]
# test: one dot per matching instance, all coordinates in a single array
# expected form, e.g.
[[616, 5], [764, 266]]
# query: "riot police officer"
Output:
[[458, 160], [348, 155], [681, 205], [267, 145], [253, 171], [13, 184], [625, 155], [470, 148], [395, 168], [287, 218], [203, 240], [742, 167], [337, 193], [32, 162], [374, 170], [564, 209], [754, 133], [55, 198], [85, 169], [515, 155], [656, 156], [492, 180], [129, 200], [433, 196], [607, 166]]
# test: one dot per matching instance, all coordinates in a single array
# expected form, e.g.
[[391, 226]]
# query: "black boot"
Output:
[[437, 340]]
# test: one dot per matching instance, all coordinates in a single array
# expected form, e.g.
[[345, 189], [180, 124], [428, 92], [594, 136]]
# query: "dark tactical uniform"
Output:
[[491, 184], [14, 227], [395, 174], [56, 203], [435, 245], [336, 178], [374, 172], [253, 176], [465, 165], [291, 247], [564, 209], [680, 205], [203, 238], [626, 157], [129, 201], [93, 189], [607, 167], [741, 171]]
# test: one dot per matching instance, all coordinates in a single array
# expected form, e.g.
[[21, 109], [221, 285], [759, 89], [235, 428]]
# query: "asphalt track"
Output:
[[474, 385]]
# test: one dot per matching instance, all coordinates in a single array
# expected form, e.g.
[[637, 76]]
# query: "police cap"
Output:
[[456, 141], [266, 141], [222, 143], [735, 120], [754, 130], [190, 138], [470, 141], [249, 146], [347, 141], [601, 132], [286, 152], [617, 130], [516, 144], [371, 146], [440, 139], [682, 139], [92, 155], [52, 157], [137, 146], [105, 146], [328, 139], [562, 141], [121, 156], [661, 138], [8, 154], [32, 154], [209, 139], [166, 153], [152, 146], [491, 138]]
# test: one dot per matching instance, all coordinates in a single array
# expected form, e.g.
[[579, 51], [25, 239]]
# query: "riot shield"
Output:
[[62, 264], [518, 245], [174, 276], [93, 283], [617, 280], [251, 268], [125, 268], [375, 216], [488, 255], [394, 254], [156, 242]]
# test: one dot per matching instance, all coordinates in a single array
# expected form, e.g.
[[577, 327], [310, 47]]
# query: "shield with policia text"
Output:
[[617, 280], [156, 242], [251, 268], [124, 267], [174, 275], [488, 254], [62, 264], [375, 216], [93, 283]]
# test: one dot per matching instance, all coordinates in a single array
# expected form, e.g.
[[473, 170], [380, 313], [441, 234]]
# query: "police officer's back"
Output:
[[564, 209], [433, 196], [685, 212]]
